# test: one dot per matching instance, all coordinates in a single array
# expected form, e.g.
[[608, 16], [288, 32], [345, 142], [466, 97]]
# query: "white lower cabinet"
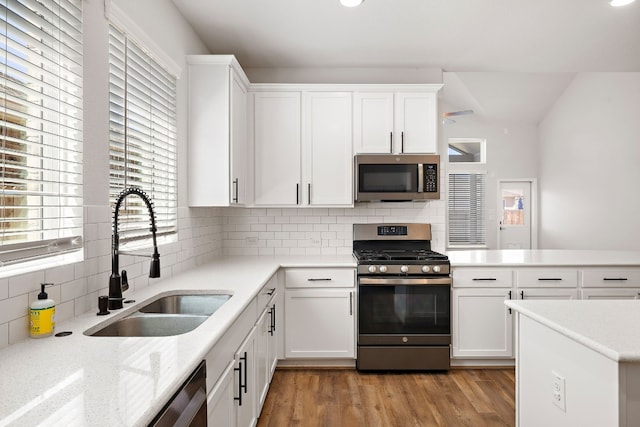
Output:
[[482, 325], [246, 386], [240, 366], [266, 351], [221, 410], [547, 294], [320, 323], [320, 313], [611, 293]]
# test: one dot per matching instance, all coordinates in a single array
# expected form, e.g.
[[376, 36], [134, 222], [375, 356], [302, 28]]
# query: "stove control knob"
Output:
[[436, 269], [383, 269], [404, 269], [372, 269], [426, 269]]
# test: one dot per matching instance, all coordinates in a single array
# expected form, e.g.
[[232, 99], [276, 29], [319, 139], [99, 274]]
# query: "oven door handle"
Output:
[[404, 281]]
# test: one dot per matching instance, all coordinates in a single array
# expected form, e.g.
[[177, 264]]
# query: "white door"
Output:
[[515, 227]]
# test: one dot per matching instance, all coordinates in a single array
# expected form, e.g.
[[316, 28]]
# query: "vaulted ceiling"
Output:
[[484, 42]]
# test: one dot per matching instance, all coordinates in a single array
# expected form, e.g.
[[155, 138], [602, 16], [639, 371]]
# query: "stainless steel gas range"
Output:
[[404, 298]]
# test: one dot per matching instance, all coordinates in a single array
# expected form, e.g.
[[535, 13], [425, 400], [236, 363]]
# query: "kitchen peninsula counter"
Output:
[[543, 257], [82, 380], [577, 362]]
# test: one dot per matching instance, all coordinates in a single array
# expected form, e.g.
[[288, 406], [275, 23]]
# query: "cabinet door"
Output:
[[328, 149], [482, 324], [373, 122], [415, 123], [245, 385], [238, 174], [220, 402], [208, 122], [546, 293], [319, 323], [277, 140], [262, 358], [274, 334], [611, 293]]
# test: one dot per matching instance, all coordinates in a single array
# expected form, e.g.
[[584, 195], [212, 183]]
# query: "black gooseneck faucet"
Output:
[[117, 283]]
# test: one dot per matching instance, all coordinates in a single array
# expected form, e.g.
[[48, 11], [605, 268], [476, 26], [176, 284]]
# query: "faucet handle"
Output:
[[125, 281]]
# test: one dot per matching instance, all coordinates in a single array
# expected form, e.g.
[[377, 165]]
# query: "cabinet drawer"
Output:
[[547, 277], [319, 277], [611, 278], [482, 278]]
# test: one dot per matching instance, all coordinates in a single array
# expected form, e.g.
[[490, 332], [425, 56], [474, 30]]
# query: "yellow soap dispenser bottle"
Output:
[[42, 314]]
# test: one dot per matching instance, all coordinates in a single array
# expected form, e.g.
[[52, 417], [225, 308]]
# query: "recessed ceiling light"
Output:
[[354, 3], [617, 3]]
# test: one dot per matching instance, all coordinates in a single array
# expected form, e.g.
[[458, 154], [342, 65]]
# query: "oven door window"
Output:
[[388, 178], [399, 309]]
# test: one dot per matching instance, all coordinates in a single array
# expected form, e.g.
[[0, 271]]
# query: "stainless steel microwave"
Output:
[[397, 177]]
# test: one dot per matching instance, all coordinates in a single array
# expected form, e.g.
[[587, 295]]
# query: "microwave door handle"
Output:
[[420, 178]]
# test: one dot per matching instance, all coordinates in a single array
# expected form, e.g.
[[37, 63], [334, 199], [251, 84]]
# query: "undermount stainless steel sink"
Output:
[[158, 325], [166, 316], [199, 304]]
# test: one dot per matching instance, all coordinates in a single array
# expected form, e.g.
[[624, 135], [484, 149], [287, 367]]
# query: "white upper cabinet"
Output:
[[373, 122], [302, 147], [217, 129], [416, 122], [327, 149], [277, 143], [396, 122]]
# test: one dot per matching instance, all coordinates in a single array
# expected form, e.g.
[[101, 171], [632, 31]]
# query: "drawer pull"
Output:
[[327, 279], [484, 279], [550, 279], [615, 279], [271, 291]]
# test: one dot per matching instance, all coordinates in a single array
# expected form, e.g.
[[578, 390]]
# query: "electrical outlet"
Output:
[[252, 241], [559, 393], [315, 243]]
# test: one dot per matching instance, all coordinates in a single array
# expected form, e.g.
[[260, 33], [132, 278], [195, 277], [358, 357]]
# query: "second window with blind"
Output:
[[142, 139]]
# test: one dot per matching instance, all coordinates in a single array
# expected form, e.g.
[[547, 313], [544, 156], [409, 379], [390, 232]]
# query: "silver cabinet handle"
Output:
[[327, 279], [391, 142], [309, 193], [235, 184], [402, 142], [351, 303]]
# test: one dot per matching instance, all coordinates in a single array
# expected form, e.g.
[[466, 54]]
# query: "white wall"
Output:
[[78, 285], [511, 154], [590, 165]]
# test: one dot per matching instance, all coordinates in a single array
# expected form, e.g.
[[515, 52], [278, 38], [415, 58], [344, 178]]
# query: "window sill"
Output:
[[41, 264]]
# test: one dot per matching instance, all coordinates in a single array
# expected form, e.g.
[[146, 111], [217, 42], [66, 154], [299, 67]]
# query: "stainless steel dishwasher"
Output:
[[188, 407]]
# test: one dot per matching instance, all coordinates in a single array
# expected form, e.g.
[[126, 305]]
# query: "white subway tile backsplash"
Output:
[[203, 234]]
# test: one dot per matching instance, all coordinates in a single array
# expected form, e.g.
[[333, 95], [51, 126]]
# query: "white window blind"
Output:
[[41, 128], [467, 209], [142, 150]]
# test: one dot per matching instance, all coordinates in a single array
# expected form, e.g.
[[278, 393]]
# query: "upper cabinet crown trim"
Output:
[[229, 60], [345, 87]]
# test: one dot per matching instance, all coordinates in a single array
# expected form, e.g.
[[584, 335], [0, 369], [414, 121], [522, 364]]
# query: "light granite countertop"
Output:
[[80, 380], [609, 327], [543, 257]]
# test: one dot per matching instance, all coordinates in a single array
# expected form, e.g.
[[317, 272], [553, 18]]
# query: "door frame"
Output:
[[533, 182]]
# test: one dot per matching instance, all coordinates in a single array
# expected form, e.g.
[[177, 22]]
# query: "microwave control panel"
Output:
[[430, 178]]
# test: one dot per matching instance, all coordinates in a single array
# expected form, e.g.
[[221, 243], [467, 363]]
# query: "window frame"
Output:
[[162, 189], [42, 73]]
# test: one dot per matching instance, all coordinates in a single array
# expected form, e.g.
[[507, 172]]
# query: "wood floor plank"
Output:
[[348, 398]]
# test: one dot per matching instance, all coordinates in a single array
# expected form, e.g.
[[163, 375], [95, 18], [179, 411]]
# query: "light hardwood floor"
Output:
[[348, 398]]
